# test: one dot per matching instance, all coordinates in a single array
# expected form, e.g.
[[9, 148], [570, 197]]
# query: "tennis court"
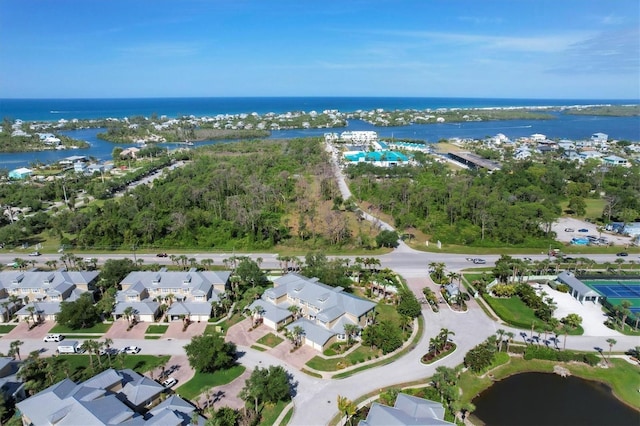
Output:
[[617, 291]]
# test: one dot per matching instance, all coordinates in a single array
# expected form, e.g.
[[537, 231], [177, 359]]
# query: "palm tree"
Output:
[[295, 310], [31, 309], [89, 346], [15, 347], [611, 342], [624, 311], [500, 334], [128, 314], [297, 333], [350, 330], [207, 263], [510, 335], [258, 311], [346, 407], [107, 344]]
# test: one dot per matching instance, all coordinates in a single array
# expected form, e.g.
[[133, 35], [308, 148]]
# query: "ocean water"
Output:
[[55, 109]]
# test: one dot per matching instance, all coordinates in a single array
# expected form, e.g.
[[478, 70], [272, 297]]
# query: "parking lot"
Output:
[[568, 228]]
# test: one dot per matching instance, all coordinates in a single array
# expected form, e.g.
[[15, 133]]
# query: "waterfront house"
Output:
[[407, 410], [322, 311], [599, 137], [614, 160], [20, 174]]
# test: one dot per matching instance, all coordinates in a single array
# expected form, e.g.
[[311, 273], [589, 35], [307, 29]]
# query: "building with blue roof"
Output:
[[377, 158]]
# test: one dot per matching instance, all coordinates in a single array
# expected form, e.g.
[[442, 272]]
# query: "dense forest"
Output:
[[245, 195], [514, 206]]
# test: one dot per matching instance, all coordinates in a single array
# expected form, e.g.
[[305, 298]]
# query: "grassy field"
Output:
[[361, 354], [99, 328], [270, 413], [270, 340], [5, 328], [515, 312], [156, 329], [201, 382]]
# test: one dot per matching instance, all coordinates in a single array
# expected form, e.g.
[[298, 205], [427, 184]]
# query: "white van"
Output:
[[70, 347]]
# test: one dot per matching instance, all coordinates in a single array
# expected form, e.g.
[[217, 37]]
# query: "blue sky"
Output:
[[452, 48]]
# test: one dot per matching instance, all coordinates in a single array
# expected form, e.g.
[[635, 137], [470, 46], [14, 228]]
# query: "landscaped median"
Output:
[[347, 371]]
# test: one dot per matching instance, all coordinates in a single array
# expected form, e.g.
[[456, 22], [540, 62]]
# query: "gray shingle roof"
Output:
[[408, 410], [312, 332], [569, 279]]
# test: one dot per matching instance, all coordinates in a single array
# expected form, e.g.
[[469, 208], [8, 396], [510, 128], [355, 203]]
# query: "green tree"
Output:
[[387, 238], [611, 342], [225, 416], [80, 313], [347, 408], [250, 273], [267, 385], [572, 320], [408, 304], [209, 353], [14, 348]]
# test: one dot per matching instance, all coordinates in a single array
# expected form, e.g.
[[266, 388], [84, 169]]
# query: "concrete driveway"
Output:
[[21, 331], [119, 327]]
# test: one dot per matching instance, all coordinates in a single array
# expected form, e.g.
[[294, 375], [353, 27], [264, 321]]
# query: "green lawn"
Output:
[[5, 328], [258, 348], [361, 354], [99, 328], [156, 329], [270, 340], [270, 413], [201, 382], [513, 311]]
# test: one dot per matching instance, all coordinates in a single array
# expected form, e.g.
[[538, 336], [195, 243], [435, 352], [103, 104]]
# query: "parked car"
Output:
[[479, 261], [131, 350], [569, 230], [622, 254], [34, 253], [169, 382], [162, 255], [108, 351], [583, 230], [53, 337]]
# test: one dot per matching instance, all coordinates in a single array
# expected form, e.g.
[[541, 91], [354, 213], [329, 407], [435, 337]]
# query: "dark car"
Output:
[[622, 254], [583, 230], [162, 255]]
